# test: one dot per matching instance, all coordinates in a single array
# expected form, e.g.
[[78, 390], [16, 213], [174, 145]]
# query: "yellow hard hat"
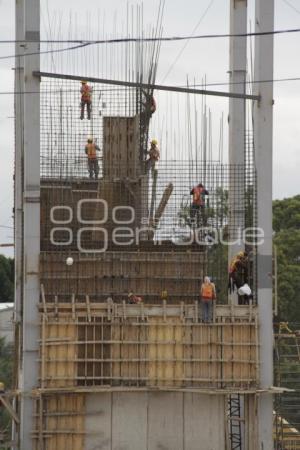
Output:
[[240, 255], [2, 387], [83, 81], [154, 142], [90, 140]]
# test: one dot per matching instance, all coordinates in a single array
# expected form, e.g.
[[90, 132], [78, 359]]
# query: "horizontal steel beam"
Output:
[[156, 87]]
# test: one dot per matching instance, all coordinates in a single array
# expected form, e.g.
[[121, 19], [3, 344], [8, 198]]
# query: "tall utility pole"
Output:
[[237, 123], [18, 174], [28, 371], [263, 140]]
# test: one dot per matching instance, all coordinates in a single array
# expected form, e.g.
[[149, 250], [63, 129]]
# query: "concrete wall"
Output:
[[155, 421]]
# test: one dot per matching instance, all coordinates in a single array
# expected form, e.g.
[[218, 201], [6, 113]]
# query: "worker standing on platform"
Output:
[[90, 149], [154, 155], [198, 204], [86, 99], [207, 297]]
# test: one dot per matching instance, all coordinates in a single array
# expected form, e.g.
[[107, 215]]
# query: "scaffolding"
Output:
[[287, 375]]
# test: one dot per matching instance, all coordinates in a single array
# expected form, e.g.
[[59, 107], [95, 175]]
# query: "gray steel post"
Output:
[[31, 240], [263, 140], [18, 178], [237, 123]]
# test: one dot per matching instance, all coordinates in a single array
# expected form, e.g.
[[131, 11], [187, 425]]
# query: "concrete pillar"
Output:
[[263, 140], [18, 173], [237, 122], [31, 239]]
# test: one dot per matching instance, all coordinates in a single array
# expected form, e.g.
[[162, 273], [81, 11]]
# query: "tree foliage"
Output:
[[6, 279], [286, 224]]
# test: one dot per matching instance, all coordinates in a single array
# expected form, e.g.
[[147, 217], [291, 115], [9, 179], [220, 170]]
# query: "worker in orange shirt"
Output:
[[86, 99], [207, 297], [90, 150]]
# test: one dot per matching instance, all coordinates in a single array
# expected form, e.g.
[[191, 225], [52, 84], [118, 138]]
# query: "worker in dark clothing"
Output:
[[86, 99], [238, 273], [90, 149], [149, 104], [198, 204]]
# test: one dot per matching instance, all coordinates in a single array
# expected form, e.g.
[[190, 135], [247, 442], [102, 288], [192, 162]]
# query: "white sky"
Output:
[[200, 58]]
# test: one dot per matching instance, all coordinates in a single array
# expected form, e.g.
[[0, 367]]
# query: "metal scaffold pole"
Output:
[[28, 372], [263, 140], [237, 122]]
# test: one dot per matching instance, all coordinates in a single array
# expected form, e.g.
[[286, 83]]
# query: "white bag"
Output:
[[244, 290]]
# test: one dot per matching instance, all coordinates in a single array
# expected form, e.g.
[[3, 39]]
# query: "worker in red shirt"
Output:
[[134, 299], [86, 99], [198, 203]]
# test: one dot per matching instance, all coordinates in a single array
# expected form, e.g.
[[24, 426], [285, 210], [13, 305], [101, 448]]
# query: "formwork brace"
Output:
[[157, 87]]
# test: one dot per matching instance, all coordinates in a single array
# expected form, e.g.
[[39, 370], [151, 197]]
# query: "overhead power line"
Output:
[[148, 39], [277, 80], [84, 43]]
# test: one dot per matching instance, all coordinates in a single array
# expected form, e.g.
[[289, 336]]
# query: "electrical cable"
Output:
[[276, 80], [186, 43], [291, 6], [85, 43]]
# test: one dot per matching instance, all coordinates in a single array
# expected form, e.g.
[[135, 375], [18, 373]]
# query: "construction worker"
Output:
[[238, 273], [154, 155], [90, 149], [207, 297], [86, 99], [198, 204], [149, 104], [134, 299]]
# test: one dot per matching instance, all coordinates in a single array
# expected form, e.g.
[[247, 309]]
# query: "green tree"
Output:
[[6, 279], [286, 224]]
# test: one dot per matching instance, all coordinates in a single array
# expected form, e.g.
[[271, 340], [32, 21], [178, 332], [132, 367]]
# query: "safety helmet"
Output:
[[154, 142], [90, 140], [130, 294], [83, 81], [240, 255]]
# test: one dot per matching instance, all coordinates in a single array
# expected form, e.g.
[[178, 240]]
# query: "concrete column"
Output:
[[31, 240], [263, 140], [18, 174], [237, 122]]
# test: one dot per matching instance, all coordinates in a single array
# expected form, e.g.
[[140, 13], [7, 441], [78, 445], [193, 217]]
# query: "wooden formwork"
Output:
[[60, 422], [97, 344], [121, 147], [115, 273]]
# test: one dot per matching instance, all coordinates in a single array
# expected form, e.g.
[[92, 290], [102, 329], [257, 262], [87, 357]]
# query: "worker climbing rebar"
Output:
[[238, 275], [90, 149], [86, 99], [149, 104], [154, 155], [197, 212]]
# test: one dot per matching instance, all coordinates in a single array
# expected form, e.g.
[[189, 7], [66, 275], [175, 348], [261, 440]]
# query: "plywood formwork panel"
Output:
[[63, 422], [146, 274], [128, 345]]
